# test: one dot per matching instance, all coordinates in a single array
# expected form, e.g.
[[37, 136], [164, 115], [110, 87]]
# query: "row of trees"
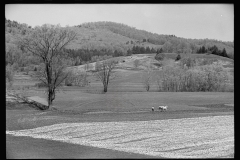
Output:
[[81, 56], [213, 50]]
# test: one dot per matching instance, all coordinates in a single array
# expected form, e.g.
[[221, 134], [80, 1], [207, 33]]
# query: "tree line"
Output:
[[214, 50], [82, 56]]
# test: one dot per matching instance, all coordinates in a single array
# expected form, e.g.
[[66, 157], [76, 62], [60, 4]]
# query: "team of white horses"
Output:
[[161, 108]]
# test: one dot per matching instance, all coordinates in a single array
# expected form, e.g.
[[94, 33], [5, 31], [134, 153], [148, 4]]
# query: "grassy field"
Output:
[[85, 123]]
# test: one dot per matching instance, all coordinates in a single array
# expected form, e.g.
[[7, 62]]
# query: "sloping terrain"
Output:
[[115, 36], [130, 77]]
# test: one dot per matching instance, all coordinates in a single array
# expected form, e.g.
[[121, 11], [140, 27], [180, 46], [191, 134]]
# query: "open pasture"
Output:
[[135, 101]]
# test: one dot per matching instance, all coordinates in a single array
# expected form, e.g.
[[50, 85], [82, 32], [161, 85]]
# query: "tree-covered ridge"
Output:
[[142, 35], [169, 43], [100, 40], [14, 27], [128, 31]]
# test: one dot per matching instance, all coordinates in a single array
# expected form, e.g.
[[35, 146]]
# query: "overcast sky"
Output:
[[213, 21]]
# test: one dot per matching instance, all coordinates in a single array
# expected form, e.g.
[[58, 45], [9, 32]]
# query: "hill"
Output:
[[139, 37], [112, 39]]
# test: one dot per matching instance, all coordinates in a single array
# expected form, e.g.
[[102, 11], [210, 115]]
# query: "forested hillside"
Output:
[[101, 40], [170, 43]]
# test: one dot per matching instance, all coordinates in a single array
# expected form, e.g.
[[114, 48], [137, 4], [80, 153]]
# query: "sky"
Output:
[[212, 21]]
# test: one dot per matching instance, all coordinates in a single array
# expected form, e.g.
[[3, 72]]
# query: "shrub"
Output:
[[168, 62], [40, 85], [136, 63], [206, 61], [178, 57], [160, 56], [76, 79], [29, 68], [157, 64], [188, 62], [15, 67]]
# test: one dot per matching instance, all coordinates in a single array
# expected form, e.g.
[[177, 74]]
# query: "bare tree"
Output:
[[104, 72], [159, 83], [146, 78], [47, 43]]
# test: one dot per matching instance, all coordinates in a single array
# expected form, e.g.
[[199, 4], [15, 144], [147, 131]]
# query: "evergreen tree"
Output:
[[129, 52], [142, 50], [224, 53], [153, 50], [148, 49], [138, 50], [203, 49], [134, 50], [116, 53], [161, 50], [200, 50]]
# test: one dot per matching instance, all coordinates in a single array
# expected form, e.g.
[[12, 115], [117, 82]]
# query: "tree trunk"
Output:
[[105, 88], [51, 97]]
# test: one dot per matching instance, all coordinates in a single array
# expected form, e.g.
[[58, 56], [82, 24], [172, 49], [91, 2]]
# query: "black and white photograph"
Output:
[[119, 81]]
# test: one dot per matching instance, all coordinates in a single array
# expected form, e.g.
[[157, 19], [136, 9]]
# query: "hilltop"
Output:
[[117, 36], [103, 40]]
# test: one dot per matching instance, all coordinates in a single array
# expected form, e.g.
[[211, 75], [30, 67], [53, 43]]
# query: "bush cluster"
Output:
[[76, 79], [160, 56], [40, 85], [9, 75], [210, 77], [188, 62]]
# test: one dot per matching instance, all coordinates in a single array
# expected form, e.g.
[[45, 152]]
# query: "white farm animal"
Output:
[[152, 108], [162, 108]]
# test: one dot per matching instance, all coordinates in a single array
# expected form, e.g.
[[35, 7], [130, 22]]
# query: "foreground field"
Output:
[[86, 125], [175, 138]]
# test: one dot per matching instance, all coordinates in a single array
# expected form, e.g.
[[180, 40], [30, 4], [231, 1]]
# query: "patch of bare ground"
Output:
[[202, 137]]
